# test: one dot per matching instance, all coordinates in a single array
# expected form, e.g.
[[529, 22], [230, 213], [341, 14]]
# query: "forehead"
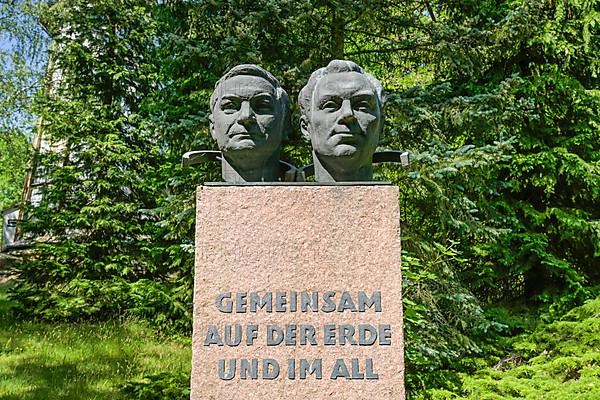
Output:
[[343, 84], [245, 86]]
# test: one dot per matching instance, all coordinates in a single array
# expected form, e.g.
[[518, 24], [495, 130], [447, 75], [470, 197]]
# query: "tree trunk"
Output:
[[337, 35]]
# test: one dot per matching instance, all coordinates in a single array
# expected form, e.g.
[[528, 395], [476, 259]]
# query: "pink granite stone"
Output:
[[269, 239]]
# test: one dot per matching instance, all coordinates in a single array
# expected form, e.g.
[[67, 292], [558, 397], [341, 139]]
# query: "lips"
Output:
[[345, 137], [239, 133]]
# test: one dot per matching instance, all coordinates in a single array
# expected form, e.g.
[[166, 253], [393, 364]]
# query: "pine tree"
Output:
[[95, 254]]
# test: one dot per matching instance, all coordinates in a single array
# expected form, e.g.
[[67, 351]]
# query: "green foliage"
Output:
[[166, 385], [503, 81], [80, 299], [13, 161], [558, 361], [444, 322], [548, 204]]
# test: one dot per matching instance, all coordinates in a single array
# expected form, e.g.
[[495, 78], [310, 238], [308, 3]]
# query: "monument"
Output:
[[297, 287]]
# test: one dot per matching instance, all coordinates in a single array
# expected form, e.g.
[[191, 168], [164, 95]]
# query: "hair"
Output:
[[334, 67], [255, 70]]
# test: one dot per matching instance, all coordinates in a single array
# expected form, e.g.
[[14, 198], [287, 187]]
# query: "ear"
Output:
[[305, 127], [211, 124]]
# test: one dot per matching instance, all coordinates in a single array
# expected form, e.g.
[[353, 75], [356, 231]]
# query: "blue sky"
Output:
[[15, 119]]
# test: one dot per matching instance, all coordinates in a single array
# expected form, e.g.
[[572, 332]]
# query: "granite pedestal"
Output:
[[298, 292]]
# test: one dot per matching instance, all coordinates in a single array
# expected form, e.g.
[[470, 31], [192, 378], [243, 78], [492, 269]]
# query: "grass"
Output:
[[59, 361], [129, 360]]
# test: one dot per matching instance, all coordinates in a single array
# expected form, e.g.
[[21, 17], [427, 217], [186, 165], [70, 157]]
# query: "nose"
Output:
[[346, 112], [246, 114]]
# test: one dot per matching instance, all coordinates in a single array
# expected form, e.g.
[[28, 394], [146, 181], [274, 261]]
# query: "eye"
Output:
[[229, 107], [330, 105], [263, 105], [362, 105]]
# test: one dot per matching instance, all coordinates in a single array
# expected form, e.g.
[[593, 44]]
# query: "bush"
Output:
[[559, 361], [167, 385]]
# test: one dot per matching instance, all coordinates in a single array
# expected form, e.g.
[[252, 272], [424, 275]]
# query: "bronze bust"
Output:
[[250, 117], [342, 115]]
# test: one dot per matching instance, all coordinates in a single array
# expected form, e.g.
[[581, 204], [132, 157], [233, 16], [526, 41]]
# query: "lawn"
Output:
[[129, 360], [58, 361]]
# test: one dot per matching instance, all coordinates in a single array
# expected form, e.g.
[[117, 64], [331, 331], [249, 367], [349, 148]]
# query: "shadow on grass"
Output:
[[89, 361], [79, 361], [69, 370], [61, 382]]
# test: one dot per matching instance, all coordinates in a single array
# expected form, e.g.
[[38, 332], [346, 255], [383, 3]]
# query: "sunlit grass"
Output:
[[42, 361]]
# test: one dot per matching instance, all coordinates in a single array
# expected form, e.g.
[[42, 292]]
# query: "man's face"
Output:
[[346, 118], [247, 118]]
